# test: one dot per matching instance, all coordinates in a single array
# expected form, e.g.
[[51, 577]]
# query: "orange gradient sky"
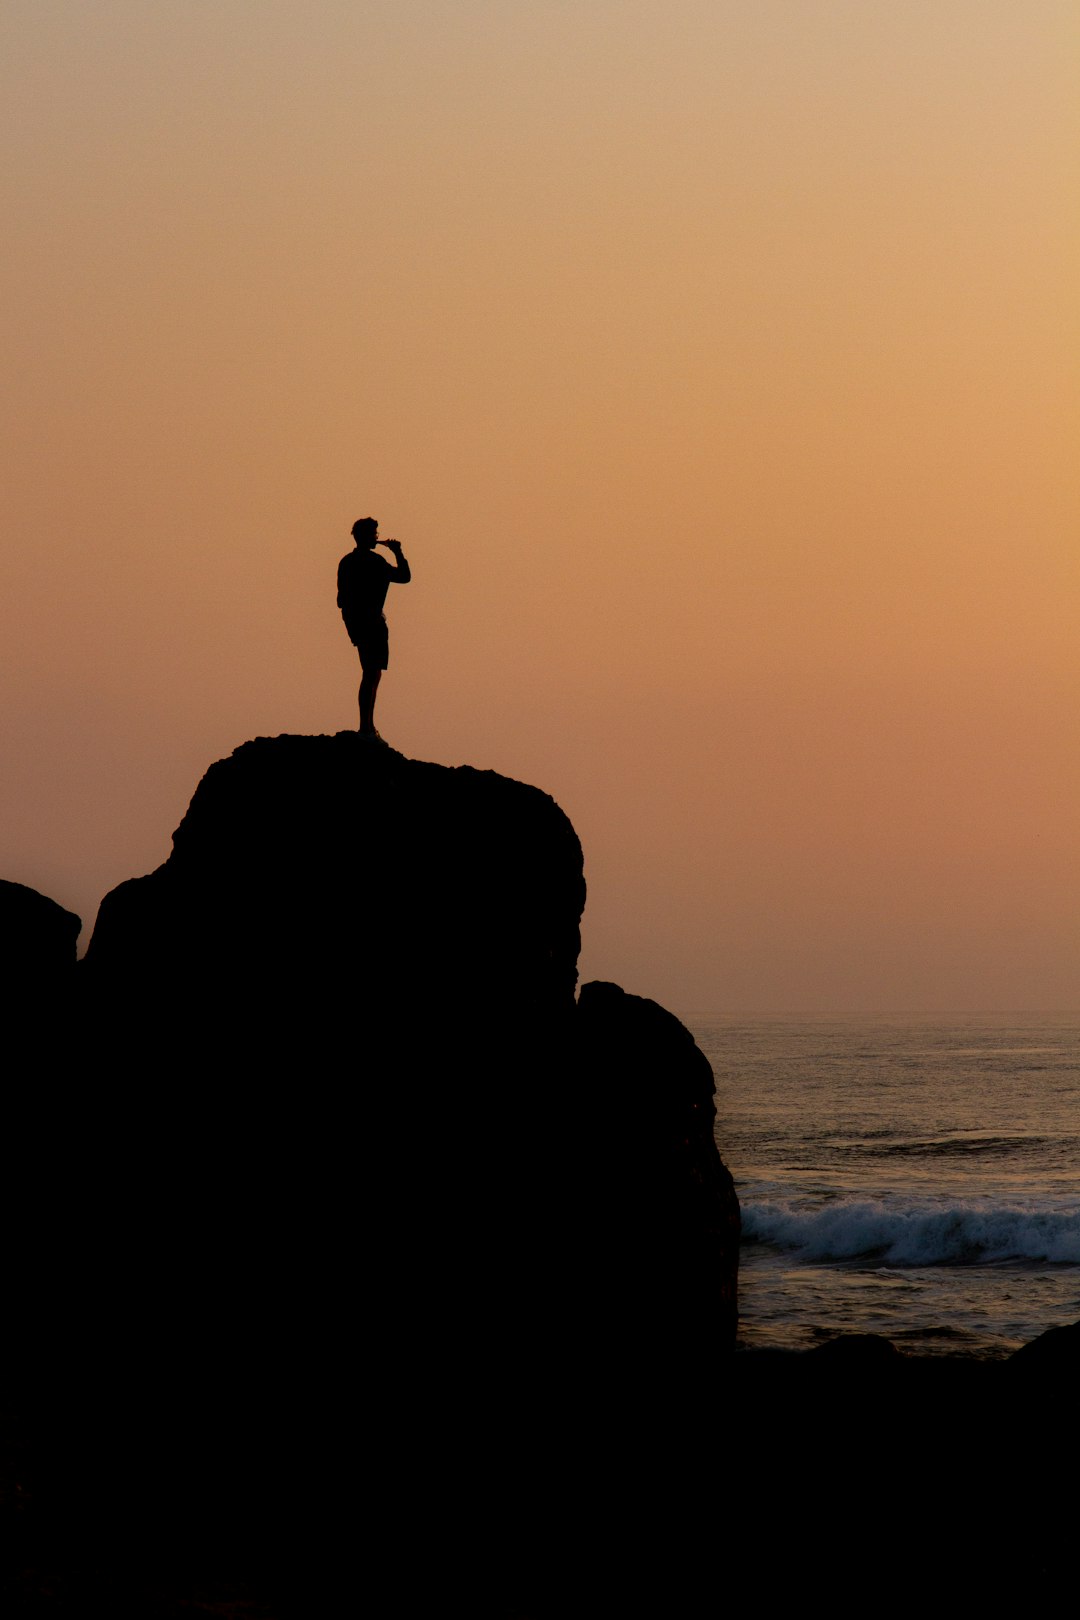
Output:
[[716, 362]]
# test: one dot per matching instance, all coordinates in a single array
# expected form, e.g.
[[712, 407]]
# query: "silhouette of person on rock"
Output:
[[363, 578]]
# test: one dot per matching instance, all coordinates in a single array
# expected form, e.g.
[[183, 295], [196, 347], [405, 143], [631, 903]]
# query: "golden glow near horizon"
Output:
[[716, 364]]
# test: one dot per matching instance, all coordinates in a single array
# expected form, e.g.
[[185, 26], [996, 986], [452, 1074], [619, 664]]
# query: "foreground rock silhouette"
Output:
[[358, 1258], [355, 975], [367, 1196]]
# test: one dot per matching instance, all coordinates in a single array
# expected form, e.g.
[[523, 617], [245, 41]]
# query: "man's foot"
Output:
[[372, 735]]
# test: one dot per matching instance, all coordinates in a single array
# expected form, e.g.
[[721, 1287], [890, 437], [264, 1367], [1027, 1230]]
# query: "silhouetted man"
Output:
[[362, 580]]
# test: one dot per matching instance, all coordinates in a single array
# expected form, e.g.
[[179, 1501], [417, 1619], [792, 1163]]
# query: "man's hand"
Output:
[[401, 573]]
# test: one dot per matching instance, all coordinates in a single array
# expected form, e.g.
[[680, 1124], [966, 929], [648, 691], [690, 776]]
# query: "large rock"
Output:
[[352, 1113], [330, 1016]]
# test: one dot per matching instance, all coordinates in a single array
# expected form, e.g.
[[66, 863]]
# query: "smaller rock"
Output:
[[1056, 1350], [37, 937]]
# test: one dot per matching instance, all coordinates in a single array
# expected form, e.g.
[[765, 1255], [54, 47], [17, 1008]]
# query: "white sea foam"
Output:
[[916, 1234]]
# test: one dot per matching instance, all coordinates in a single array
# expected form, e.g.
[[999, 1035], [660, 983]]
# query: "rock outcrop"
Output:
[[355, 1153], [1055, 1353], [354, 983], [312, 868], [652, 1087]]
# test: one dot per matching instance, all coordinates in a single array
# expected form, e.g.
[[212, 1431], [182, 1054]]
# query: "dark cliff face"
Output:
[[341, 1238], [347, 999], [346, 1112], [338, 1015], [675, 1270]]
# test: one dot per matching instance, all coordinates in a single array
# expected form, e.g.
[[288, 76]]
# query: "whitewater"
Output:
[[913, 1176]]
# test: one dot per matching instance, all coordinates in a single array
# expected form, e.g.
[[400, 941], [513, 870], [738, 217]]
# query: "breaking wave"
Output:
[[916, 1234]]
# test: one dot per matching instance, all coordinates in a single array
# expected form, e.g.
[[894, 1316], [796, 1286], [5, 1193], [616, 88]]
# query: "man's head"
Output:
[[365, 531]]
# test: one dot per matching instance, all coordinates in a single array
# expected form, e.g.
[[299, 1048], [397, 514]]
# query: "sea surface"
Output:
[[913, 1176]]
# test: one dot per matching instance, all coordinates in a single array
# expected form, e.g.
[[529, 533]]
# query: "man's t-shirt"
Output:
[[363, 579]]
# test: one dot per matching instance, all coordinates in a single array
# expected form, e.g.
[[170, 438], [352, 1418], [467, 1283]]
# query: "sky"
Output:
[[716, 363]]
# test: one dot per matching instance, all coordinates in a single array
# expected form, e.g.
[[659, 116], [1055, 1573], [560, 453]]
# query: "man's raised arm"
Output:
[[402, 573]]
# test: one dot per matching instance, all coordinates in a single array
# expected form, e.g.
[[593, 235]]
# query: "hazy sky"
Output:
[[716, 362]]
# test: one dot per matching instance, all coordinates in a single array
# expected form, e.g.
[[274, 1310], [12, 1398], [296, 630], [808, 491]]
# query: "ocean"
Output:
[[913, 1176]]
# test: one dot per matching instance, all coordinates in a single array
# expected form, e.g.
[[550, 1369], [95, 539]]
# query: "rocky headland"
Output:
[[340, 1176], [355, 1253]]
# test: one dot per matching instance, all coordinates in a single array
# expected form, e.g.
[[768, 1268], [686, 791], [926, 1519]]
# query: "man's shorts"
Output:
[[371, 639]]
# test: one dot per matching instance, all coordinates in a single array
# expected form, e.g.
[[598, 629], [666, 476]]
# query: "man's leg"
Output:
[[369, 685]]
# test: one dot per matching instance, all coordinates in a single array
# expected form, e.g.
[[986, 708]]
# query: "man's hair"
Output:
[[366, 529]]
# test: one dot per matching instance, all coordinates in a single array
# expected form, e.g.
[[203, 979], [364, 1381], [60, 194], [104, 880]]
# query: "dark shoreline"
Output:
[[291, 1331], [852, 1475]]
